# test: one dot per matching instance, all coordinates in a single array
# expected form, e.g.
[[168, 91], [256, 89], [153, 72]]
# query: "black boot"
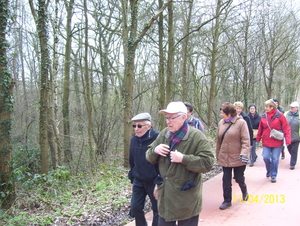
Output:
[[244, 191]]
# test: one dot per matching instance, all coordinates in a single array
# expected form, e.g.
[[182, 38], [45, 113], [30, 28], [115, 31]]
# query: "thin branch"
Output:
[[149, 24], [204, 23]]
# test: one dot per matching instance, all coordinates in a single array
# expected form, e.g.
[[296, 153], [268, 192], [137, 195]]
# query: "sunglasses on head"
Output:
[[139, 126]]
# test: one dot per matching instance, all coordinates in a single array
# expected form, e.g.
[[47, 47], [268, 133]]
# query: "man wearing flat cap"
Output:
[[142, 173], [183, 153], [292, 116]]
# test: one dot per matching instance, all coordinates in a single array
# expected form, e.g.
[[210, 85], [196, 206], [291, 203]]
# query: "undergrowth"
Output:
[[57, 198]]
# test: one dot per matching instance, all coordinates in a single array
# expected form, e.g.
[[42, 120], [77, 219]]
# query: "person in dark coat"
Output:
[[192, 120], [254, 119], [142, 173], [292, 117]]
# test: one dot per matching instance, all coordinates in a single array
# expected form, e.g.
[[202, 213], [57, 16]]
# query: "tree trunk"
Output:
[[170, 60], [103, 126], [130, 44], [6, 109], [161, 68], [44, 78], [53, 139], [129, 78], [88, 96], [185, 67], [66, 92], [214, 57]]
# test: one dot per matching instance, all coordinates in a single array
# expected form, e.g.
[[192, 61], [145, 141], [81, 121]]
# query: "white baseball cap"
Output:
[[294, 104], [174, 107]]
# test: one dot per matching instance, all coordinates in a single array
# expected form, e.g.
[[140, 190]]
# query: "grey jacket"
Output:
[[294, 121]]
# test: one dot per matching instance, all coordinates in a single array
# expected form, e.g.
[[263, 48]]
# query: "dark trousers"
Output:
[[227, 178], [293, 150], [193, 221], [253, 155], [138, 202]]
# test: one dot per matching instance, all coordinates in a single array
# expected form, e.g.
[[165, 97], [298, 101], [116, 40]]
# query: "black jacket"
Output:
[[254, 120], [141, 171], [247, 119]]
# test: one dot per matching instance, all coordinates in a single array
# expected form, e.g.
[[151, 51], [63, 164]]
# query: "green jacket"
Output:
[[174, 204]]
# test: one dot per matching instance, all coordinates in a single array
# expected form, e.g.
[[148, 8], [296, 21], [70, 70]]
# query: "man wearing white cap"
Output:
[[142, 173], [292, 117], [183, 153]]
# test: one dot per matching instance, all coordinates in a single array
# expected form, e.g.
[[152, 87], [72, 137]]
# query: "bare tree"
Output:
[[161, 71], [278, 34], [66, 92], [107, 41], [6, 87], [214, 58], [185, 53], [41, 19], [195, 51], [131, 40], [88, 97], [170, 58]]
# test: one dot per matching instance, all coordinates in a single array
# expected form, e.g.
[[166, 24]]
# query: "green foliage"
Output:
[[212, 132], [44, 198], [54, 177], [24, 219], [27, 158]]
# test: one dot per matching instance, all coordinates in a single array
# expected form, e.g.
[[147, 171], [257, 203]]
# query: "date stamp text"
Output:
[[260, 199]]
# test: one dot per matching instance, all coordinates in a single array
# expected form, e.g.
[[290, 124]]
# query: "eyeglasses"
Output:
[[139, 126], [171, 119]]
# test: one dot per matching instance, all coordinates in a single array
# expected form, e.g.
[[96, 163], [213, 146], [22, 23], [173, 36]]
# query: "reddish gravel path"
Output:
[[268, 203]]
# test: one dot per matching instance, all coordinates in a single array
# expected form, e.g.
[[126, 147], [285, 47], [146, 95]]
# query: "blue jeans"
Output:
[[271, 159]]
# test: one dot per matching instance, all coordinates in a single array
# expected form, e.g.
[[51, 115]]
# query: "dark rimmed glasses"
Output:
[[139, 126], [170, 119]]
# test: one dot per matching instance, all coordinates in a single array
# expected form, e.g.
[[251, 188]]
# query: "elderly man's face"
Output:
[[175, 121], [293, 109], [139, 132]]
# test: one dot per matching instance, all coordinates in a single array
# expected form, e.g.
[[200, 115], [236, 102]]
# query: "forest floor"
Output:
[[76, 202]]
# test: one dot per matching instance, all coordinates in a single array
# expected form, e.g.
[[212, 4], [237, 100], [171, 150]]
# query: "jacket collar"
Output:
[[253, 116], [234, 119], [168, 134], [277, 114]]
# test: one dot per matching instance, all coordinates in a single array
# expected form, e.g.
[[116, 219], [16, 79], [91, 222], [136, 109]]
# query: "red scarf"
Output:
[[271, 113]]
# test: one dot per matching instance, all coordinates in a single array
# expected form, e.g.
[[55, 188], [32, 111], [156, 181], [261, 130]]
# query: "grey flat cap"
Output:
[[142, 117]]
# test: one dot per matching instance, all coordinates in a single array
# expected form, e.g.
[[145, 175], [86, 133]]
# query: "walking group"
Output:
[[167, 166]]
